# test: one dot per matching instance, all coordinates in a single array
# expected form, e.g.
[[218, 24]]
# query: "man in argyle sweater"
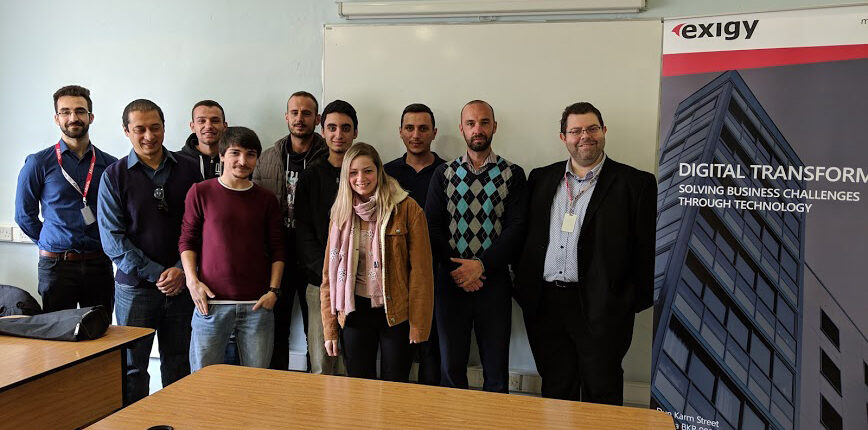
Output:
[[476, 210]]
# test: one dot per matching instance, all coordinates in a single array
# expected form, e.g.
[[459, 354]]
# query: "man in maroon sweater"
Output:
[[232, 251]]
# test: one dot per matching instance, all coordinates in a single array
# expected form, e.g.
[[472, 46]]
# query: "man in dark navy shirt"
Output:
[[63, 179], [413, 171]]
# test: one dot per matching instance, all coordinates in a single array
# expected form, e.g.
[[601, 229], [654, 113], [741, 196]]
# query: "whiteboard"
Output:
[[528, 72]]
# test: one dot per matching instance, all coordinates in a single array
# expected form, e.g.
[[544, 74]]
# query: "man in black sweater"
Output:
[[314, 196], [207, 125]]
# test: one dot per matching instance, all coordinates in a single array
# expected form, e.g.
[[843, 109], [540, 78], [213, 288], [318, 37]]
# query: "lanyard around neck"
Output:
[[575, 198], [69, 178]]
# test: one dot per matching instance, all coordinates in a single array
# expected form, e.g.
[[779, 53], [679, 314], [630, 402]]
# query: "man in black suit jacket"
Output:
[[588, 263]]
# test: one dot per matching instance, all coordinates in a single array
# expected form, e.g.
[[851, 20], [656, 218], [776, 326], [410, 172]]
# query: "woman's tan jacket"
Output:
[[408, 275]]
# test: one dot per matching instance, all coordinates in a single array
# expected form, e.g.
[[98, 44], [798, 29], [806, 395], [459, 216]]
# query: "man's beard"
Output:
[[300, 135], [81, 133], [479, 147]]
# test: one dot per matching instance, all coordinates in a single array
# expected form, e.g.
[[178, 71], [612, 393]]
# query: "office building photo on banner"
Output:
[[762, 229]]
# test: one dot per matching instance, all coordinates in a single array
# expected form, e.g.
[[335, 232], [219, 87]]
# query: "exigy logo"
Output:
[[728, 30]]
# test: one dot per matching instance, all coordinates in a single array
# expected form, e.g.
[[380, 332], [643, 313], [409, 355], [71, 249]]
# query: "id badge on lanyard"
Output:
[[86, 212], [569, 223]]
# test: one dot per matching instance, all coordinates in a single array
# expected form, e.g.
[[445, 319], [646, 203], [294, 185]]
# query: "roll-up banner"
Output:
[[761, 277]]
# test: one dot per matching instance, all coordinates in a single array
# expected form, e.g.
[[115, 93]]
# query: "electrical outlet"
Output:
[[5, 233], [19, 236], [515, 381]]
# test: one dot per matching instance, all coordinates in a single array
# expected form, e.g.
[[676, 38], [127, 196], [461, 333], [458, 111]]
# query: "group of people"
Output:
[[213, 243]]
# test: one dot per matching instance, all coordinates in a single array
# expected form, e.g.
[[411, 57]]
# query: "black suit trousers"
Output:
[[488, 312], [573, 363]]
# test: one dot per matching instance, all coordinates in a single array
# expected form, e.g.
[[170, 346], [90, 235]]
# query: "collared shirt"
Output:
[[416, 183], [41, 183], [126, 256], [561, 262], [491, 159]]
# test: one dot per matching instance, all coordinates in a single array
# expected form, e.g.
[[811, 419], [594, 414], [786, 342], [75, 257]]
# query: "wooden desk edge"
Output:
[[222, 370], [131, 334]]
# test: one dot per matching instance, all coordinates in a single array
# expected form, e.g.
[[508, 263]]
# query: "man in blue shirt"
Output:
[[63, 179], [141, 205]]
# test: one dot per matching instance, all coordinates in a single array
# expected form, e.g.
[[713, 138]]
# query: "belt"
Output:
[[70, 255], [562, 284]]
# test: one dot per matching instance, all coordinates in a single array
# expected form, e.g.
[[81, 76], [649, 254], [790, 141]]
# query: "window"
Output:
[[753, 223], [751, 420], [783, 378], [702, 221], [727, 403], [765, 292], [690, 278], [790, 220], [829, 329], [714, 304], [771, 243], [789, 264], [830, 371], [744, 267], [829, 417], [786, 315], [660, 262], [675, 347], [760, 353], [737, 329], [669, 215], [701, 376], [725, 248]]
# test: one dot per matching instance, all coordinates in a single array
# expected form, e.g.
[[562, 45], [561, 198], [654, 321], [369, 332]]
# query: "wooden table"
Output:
[[48, 384], [232, 397]]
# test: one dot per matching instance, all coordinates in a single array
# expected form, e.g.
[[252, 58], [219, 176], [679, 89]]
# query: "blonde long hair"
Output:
[[387, 187]]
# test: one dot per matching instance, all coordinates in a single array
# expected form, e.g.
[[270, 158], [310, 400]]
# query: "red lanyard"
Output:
[[72, 181], [570, 196]]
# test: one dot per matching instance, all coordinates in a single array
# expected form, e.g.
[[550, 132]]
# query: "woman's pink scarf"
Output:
[[342, 272]]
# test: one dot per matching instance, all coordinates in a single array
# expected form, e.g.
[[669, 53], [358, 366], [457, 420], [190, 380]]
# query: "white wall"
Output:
[[249, 56]]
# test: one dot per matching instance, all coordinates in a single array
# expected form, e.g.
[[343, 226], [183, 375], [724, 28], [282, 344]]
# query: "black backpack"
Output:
[[68, 324], [15, 301]]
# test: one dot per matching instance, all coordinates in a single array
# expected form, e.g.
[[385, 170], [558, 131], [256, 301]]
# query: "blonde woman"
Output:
[[377, 278]]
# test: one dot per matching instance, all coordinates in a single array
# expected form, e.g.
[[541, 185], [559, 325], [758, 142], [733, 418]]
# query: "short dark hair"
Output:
[[418, 108], [73, 91], [340, 106], [239, 136], [579, 108], [477, 102], [207, 103], [304, 94], [141, 105]]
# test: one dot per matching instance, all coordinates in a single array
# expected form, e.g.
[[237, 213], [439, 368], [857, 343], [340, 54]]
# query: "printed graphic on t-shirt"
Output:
[[291, 181]]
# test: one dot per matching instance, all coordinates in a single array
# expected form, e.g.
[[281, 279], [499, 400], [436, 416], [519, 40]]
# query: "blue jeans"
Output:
[[170, 316], [254, 335]]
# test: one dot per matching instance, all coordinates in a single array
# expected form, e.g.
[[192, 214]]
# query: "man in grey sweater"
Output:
[[278, 170]]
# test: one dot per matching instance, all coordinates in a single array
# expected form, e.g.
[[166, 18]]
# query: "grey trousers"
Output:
[[320, 362]]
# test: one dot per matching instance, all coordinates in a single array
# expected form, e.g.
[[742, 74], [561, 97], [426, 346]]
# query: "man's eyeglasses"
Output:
[[160, 195], [66, 113], [592, 131]]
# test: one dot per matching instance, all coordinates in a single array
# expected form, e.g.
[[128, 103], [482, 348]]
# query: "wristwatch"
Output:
[[276, 291]]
